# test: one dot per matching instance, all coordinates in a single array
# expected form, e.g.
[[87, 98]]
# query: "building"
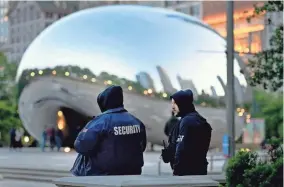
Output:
[[28, 18], [145, 80], [165, 80], [193, 8], [3, 22], [188, 84], [250, 37]]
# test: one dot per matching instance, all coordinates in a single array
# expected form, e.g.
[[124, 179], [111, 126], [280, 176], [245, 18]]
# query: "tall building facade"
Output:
[[28, 18], [4, 5], [145, 80]]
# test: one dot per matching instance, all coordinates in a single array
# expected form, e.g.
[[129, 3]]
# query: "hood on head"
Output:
[[184, 101], [110, 98]]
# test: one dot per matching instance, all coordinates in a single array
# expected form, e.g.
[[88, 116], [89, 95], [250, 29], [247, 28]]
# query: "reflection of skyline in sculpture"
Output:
[[188, 84], [213, 92], [239, 93], [165, 80], [145, 80]]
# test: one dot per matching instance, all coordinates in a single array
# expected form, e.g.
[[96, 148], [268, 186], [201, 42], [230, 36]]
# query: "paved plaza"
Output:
[[18, 183], [33, 158]]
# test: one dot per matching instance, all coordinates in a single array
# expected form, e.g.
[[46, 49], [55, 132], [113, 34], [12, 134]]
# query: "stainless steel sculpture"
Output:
[[74, 59]]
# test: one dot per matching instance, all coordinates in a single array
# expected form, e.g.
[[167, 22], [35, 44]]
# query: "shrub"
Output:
[[247, 169]]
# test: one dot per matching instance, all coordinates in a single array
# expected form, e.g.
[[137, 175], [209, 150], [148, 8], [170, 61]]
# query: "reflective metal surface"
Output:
[[144, 49]]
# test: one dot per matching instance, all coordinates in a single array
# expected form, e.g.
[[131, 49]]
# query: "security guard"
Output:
[[112, 143], [189, 140]]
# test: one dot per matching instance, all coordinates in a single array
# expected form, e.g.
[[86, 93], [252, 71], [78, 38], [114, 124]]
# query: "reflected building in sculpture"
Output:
[[165, 80], [145, 80], [135, 39], [213, 91], [239, 93], [188, 84]]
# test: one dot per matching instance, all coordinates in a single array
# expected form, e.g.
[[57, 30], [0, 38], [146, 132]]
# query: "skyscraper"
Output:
[[145, 80], [165, 80]]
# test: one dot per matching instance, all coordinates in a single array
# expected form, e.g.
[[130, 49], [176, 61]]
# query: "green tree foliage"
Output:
[[267, 65], [270, 107], [8, 110], [247, 169]]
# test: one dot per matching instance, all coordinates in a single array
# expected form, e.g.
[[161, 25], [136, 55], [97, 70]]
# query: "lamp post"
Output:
[[230, 78]]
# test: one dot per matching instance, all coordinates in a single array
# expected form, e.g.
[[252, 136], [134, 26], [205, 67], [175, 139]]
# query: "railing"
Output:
[[213, 158]]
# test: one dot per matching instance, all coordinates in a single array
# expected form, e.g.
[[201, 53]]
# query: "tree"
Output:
[[271, 109], [267, 66], [8, 111]]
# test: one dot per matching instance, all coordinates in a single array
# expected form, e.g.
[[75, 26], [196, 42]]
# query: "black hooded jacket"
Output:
[[112, 143], [191, 137]]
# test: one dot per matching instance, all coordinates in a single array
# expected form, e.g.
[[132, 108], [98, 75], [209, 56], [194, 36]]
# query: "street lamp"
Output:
[[230, 78]]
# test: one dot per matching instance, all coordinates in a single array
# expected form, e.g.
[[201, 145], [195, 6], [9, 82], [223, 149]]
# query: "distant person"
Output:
[[58, 138], [170, 124], [12, 138], [43, 139], [113, 143], [18, 138], [52, 142], [190, 139]]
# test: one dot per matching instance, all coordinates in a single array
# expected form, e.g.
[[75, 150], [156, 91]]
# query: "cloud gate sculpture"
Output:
[[145, 50]]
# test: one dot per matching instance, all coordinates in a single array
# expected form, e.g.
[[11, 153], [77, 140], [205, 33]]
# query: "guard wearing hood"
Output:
[[190, 139], [112, 143]]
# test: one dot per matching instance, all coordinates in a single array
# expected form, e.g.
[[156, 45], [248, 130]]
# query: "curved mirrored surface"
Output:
[[128, 40], [148, 51]]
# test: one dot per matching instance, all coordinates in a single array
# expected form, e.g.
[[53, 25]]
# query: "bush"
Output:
[[247, 169]]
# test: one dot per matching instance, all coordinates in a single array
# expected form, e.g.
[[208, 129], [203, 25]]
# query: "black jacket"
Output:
[[170, 124], [191, 138], [112, 143]]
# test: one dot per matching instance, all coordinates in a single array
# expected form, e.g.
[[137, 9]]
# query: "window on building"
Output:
[[25, 15], [31, 13], [18, 15], [38, 15], [195, 10], [170, 3], [48, 15], [184, 10], [180, 2]]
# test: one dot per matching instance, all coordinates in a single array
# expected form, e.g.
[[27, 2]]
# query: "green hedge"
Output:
[[246, 169]]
